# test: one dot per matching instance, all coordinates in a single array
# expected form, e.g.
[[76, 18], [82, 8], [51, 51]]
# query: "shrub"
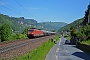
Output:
[[5, 32]]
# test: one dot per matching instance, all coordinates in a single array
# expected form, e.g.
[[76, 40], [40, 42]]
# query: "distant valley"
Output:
[[19, 24]]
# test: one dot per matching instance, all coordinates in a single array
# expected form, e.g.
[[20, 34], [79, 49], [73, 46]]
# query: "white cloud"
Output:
[[36, 8], [33, 8], [3, 3]]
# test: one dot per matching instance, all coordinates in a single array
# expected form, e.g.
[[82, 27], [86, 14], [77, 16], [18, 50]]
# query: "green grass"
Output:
[[68, 37], [87, 42], [38, 53]]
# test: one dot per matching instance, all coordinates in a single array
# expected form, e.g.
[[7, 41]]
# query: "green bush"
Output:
[[19, 36], [16, 36], [87, 42], [5, 32], [23, 36], [7, 35]]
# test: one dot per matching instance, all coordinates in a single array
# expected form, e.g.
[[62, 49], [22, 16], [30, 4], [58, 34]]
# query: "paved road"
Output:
[[60, 51]]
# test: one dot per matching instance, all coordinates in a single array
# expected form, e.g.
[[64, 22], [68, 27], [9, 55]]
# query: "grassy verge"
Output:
[[87, 42], [68, 37], [40, 52]]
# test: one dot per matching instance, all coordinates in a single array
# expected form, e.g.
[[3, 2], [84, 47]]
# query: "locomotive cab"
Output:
[[30, 33]]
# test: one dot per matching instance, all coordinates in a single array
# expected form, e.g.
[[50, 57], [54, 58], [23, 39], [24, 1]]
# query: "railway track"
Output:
[[14, 46], [10, 50]]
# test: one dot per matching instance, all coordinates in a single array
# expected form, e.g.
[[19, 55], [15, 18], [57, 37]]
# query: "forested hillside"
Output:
[[19, 24], [75, 24], [52, 25]]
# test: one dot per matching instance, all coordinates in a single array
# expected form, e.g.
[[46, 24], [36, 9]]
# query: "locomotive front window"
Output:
[[31, 30]]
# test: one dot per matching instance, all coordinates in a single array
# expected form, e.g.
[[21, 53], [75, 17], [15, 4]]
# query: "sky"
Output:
[[45, 10]]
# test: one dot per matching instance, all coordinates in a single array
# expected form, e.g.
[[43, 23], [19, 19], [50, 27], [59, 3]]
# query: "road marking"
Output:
[[56, 57], [57, 50], [60, 41]]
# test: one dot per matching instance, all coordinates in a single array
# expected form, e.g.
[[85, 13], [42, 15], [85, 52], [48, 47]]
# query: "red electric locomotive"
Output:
[[35, 33]]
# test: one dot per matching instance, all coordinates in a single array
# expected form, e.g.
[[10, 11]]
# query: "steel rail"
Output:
[[11, 47]]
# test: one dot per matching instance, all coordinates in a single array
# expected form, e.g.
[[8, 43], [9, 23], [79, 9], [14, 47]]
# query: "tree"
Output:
[[86, 15], [53, 30], [73, 32], [25, 31], [5, 32]]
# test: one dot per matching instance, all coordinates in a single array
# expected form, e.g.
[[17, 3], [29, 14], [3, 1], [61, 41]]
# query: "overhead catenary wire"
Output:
[[10, 9], [23, 8], [13, 10]]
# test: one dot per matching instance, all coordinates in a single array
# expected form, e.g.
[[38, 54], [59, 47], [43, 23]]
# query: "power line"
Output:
[[16, 11], [23, 8], [9, 9], [12, 10]]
